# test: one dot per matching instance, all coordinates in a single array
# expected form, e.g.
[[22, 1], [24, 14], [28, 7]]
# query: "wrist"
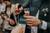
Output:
[[40, 24]]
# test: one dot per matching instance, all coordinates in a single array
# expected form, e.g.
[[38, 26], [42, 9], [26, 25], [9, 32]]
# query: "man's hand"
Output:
[[17, 29], [17, 10], [32, 21]]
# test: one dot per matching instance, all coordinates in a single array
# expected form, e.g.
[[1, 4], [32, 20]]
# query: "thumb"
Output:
[[17, 6]]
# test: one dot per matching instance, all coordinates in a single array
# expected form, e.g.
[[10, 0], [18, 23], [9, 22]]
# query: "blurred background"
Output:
[[18, 1], [22, 19]]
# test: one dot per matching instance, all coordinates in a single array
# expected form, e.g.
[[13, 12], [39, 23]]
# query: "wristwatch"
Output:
[[40, 24]]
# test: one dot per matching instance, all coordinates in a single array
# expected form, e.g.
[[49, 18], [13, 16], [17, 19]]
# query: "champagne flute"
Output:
[[26, 10]]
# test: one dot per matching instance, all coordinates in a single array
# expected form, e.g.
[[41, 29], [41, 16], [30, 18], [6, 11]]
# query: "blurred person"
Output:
[[2, 9], [6, 17], [39, 18]]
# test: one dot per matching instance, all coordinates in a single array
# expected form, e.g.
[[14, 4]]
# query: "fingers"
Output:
[[28, 17], [29, 24], [29, 20], [20, 9], [17, 6], [17, 10], [14, 7]]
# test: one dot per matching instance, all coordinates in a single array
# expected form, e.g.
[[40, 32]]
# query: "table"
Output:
[[23, 25]]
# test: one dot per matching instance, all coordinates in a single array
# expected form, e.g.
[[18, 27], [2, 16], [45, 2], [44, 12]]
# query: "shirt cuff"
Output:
[[44, 25]]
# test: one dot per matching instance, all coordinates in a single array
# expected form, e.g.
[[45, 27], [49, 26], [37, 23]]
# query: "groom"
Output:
[[41, 24]]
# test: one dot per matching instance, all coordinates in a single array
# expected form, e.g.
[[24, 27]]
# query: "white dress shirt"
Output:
[[35, 28]]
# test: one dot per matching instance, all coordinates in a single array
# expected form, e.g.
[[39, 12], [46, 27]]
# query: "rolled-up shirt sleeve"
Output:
[[44, 25]]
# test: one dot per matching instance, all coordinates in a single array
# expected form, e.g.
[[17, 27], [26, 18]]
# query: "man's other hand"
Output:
[[17, 10]]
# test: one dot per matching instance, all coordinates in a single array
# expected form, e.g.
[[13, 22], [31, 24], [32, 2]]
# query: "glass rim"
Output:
[[26, 11]]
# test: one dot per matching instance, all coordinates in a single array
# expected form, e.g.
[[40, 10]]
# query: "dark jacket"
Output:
[[33, 6]]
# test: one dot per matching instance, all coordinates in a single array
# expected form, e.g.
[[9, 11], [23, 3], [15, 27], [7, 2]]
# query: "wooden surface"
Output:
[[23, 25]]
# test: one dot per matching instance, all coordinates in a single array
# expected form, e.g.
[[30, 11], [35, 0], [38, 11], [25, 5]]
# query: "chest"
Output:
[[35, 2], [43, 17]]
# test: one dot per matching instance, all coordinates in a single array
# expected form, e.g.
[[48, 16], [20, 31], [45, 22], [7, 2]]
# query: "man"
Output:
[[40, 24]]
